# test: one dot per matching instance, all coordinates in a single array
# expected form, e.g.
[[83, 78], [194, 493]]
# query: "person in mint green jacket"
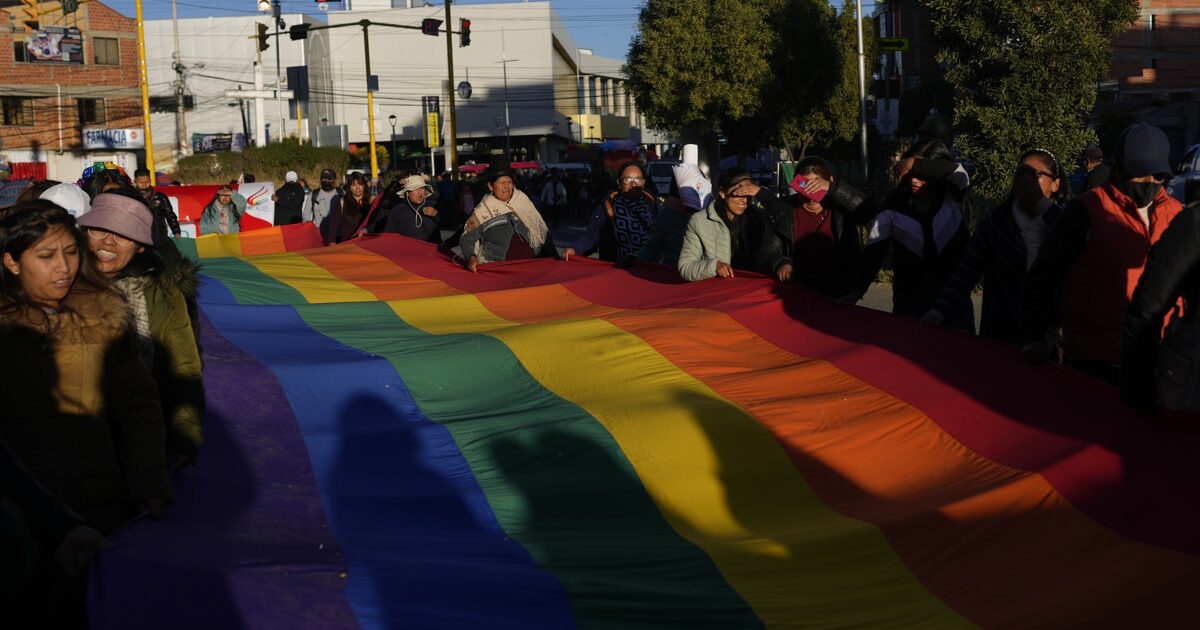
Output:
[[727, 234], [223, 215]]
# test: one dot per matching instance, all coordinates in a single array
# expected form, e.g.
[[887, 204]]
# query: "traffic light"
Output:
[[464, 32], [430, 26], [299, 31], [262, 37]]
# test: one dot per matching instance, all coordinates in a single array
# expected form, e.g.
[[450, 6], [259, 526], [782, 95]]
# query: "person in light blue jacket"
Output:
[[223, 215]]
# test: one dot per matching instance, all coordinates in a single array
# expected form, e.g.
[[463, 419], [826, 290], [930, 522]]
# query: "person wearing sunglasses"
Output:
[[621, 223], [1095, 254], [119, 239], [1004, 246]]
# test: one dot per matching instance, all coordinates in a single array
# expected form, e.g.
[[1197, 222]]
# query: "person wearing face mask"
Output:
[[1004, 246], [621, 223], [727, 234], [323, 200], [415, 216], [1096, 253], [922, 224], [814, 243]]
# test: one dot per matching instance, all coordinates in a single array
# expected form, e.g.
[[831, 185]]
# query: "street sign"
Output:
[[893, 44], [433, 130], [433, 125]]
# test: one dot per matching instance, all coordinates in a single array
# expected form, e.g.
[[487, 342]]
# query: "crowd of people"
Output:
[[99, 333], [99, 328]]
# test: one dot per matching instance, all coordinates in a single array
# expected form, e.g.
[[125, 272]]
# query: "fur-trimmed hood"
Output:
[[101, 315]]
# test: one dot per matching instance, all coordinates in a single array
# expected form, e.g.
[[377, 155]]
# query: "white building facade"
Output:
[[557, 94], [220, 54]]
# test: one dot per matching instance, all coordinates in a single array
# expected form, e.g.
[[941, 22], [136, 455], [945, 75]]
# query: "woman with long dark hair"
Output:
[[1003, 248], [356, 204], [921, 223], [83, 413]]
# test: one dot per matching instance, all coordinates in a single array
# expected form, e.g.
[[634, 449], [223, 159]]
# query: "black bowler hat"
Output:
[[498, 166]]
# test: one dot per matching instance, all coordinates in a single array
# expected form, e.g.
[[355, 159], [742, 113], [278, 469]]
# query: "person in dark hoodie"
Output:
[[922, 224], [1004, 246], [289, 200], [814, 243], [1096, 253], [414, 215]]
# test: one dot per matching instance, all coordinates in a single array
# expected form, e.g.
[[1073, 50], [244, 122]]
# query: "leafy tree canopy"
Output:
[[1024, 73], [752, 69]]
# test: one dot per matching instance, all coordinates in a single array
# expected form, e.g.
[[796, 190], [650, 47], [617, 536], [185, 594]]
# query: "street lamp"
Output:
[[392, 120], [591, 132]]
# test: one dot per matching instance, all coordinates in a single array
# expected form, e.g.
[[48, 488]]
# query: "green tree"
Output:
[[838, 118], [750, 69], [1025, 73]]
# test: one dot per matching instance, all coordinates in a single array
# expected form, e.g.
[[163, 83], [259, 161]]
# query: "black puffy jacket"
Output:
[[1172, 271]]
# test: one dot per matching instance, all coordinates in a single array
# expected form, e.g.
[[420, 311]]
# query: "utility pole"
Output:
[[453, 139], [141, 32], [862, 95], [370, 99], [279, 25], [507, 127], [180, 122]]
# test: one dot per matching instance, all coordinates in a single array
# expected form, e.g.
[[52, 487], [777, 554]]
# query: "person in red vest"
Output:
[[1096, 253]]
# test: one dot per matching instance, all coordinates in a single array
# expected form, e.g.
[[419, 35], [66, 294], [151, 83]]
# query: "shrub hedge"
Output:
[[268, 163]]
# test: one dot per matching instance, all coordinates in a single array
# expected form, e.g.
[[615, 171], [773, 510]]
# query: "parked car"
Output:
[[659, 174], [1185, 186]]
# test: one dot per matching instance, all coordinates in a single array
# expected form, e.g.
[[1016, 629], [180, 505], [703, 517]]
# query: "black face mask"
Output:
[[1142, 193], [326, 185]]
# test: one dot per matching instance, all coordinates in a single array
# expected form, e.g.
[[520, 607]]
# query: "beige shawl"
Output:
[[520, 204]]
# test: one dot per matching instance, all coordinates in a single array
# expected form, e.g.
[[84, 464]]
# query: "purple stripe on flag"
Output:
[[217, 560]]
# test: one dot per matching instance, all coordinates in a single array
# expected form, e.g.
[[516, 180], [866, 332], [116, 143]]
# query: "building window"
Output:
[[20, 52], [17, 111], [91, 111], [107, 51]]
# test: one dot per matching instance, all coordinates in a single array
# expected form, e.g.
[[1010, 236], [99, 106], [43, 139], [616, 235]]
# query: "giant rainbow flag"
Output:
[[393, 442]]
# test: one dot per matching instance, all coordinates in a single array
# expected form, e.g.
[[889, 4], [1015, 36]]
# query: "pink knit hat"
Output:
[[120, 215]]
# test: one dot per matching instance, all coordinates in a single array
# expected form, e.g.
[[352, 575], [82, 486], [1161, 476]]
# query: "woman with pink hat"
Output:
[[118, 230]]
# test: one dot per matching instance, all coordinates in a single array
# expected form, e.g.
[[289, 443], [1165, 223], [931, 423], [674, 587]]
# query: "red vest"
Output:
[[1100, 283]]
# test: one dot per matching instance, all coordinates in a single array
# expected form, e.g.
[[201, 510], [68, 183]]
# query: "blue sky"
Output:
[[605, 26]]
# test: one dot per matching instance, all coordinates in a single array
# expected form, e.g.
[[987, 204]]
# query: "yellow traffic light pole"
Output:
[[141, 33], [370, 99]]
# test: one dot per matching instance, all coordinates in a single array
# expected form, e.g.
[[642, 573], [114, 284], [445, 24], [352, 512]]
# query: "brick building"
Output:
[[47, 102], [1155, 75]]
